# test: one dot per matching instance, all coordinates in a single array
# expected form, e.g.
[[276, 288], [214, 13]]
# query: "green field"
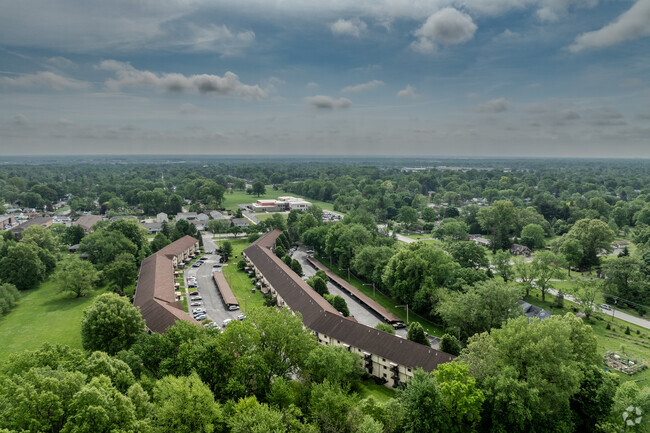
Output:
[[232, 201], [368, 388], [43, 315], [239, 281]]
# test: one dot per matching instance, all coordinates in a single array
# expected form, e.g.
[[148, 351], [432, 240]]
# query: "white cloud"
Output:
[[353, 27], [188, 108], [60, 62], [498, 105], [632, 24], [19, 120], [229, 84], [362, 87], [631, 83], [44, 79], [327, 102], [408, 92], [448, 26], [211, 38]]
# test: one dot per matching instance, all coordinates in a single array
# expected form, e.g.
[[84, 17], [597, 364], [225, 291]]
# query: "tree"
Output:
[[103, 246], [547, 266], [385, 327], [159, 242], [226, 250], [335, 364], [593, 403], [626, 280], [73, 235], [461, 397], [22, 266], [407, 215], [501, 262], [500, 220], [593, 236], [235, 230], [369, 262], [319, 285], [585, 296], [185, 405], [76, 276], [122, 271], [485, 306], [423, 405], [530, 390], [450, 344], [527, 273], [329, 406], [296, 267], [339, 303], [572, 253], [429, 214], [316, 238], [249, 416], [450, 228], [259, 188], [532, 236], [416, 333], [344, 240], [469, 254], [110, 324]]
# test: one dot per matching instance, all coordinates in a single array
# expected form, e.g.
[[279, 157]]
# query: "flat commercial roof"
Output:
[[224, 289]]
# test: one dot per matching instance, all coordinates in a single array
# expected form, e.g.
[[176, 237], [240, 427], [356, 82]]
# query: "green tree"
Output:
[[250, 416], [407, 215], [122, 271], [369, 262], [226, 250], [527, 273], [481, 308], [530, 390], [339, 303], [329, 406], [572, 252], [532, 236], [316, 238], [385, 327], [500, 220], [159, 242], [103, 246], [547, 266], [344, 240], [416, 333], [186, 405], [585, 296], [110, 324], [296, 267], [501, 263], [462, 399], [593, 403], [42, 238], [423, 405], [335, 364], [22, 266], [593, 236], [319, 285], [450, 228], [76, 276], [259, 188], [73, 235], [429, 214], [279, 251], [449, 344], [469, 254]]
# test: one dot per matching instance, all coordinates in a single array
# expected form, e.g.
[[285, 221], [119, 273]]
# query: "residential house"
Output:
[[87, 222], [162, 217], [42, 221], [520, 250], [241, 222]]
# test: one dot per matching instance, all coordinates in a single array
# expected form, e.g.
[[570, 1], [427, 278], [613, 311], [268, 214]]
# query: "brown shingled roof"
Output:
[[87, 221], [178, 246], [224, 289]]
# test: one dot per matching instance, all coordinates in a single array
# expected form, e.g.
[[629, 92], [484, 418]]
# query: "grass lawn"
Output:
[[44, 315], [426, 236], [634, 345], [232, 201], [385, 301], [381, 393], [239, 281]]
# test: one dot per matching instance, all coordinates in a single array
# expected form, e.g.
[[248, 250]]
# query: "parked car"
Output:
[[216, 265], [226, 322], [241, 317], [606, 307], [201, 317], [196, 298], [194, 293], [204, 258], [233, 307], [195, 304], [198, 310]]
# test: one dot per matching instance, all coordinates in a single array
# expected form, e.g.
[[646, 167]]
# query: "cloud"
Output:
[[60, 62], [19, 120], [408, 93], [188, 108], [327, 102], [643, 116], [631, 83], [229, 84], [362, 87], [607, 117], [353, 27], [632, 24], [44, 79], [448, 26], [498, 105], [212, 38]]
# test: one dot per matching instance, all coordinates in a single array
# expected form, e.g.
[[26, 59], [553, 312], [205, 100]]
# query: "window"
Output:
[[383, 359], [385, 375]]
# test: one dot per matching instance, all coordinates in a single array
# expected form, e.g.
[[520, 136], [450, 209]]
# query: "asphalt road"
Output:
[[359, 311], [212, 302]]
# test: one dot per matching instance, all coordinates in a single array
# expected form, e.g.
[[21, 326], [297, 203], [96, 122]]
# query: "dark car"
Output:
[[194, 293]]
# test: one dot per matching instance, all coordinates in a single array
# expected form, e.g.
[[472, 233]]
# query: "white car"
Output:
[[196, 298], [606, 307], [195, 304], [201, 317], [226, 322], [198, 310]]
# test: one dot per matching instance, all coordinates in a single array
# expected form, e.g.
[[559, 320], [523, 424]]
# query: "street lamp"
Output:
[[407, 311]]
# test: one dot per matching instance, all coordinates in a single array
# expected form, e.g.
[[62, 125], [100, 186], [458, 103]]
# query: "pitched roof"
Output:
[[178, 246], [396, 349], [224, 288], [87, 221]]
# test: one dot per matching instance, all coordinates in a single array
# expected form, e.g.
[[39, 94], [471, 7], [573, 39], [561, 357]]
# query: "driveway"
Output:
[[359, 311]]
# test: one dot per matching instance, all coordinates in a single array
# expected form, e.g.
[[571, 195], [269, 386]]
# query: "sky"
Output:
[[558, 78]]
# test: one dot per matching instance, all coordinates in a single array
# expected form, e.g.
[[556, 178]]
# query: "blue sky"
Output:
[[403, 77]]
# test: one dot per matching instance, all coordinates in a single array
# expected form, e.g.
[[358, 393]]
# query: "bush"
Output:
[[449, 344], [627, 330], [608, 327], [558, 302], [385, 327]]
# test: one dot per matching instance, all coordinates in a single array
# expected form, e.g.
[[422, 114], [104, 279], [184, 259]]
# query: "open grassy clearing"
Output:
[[423, 236], [239, 281], [232, 201], [368, 388], [44, 314], [385, 301]]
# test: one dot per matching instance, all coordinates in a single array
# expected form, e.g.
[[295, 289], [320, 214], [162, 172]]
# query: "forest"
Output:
[[584, 223]]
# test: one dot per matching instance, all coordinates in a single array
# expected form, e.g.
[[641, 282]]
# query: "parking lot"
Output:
[[211, 298]]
